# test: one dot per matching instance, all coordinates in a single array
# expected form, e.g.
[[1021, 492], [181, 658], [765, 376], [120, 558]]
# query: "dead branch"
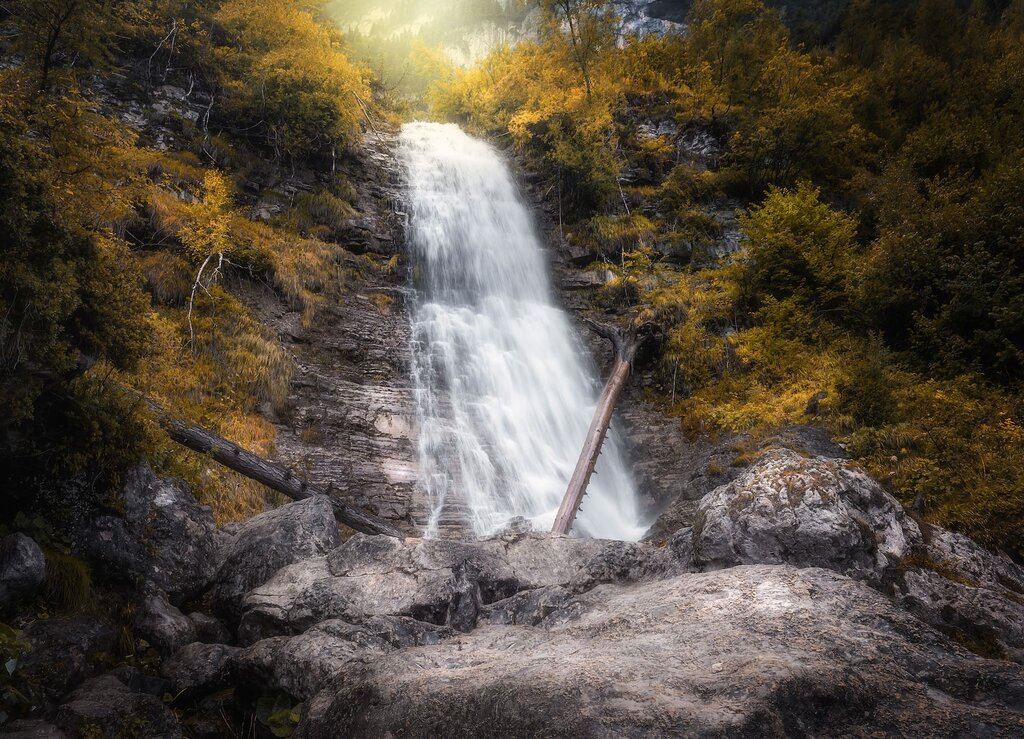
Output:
[[272, 474], [625, 343]]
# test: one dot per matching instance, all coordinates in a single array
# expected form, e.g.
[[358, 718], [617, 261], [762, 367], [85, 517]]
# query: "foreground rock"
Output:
[[530, 634], [445, 583], [22, 569], [811, 512], [751, 651], [266, 543], [164, 540]]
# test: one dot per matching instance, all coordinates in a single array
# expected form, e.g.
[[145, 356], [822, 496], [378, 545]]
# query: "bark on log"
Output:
[[273, 475], [625, 344]]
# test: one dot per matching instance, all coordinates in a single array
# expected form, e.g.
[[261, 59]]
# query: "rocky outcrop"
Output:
[[974, 595], [752, 651], [22, 569], [809, 512], [266, 543], [445, 583], [163, 539], [803, 600]]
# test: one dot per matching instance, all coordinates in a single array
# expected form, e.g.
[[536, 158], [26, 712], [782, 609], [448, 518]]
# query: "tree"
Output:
[[801, 125], [51, 32], [729, 42], [799, 249], [590, 27], [286, 76], [625, 343]]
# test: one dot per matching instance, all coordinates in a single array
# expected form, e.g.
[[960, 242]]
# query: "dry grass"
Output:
[[382, 302], [68, 581], [169, 278]]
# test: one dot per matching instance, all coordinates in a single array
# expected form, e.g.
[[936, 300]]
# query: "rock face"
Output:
[[445, 583], [266, 543], [752, 651], [164, 539], [351, 412], [972, 594], [22, 569], [529, 634], [809, 512]]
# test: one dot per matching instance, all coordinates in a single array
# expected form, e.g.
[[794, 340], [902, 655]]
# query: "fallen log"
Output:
[[272, 474], [625, 343]]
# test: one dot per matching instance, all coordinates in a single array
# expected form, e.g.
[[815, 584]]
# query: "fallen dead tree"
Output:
[[625, 343], [272, 474]]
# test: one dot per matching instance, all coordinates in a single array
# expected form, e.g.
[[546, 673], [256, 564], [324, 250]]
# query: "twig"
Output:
[[149, 64], [373, 127], [197, 284]]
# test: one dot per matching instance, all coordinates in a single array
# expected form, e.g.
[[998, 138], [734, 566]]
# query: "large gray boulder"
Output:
[[163, 539], [264, 544], [22, 569], [435, 581], [809, 512], [750, 651]]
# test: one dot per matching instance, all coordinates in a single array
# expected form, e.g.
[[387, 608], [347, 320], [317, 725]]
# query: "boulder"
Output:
[[984, 568], [986, 621], [266, 543], [163, 539], [163, 625], [22, 569], [749, 651], [198, 668], [435, 581], [104, 706], [65, 651], [809, 512], [32, 729]]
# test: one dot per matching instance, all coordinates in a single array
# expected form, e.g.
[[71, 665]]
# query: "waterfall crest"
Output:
[[504, 395]]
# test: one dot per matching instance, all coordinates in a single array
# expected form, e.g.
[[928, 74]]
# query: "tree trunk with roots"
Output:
[[625, 343]]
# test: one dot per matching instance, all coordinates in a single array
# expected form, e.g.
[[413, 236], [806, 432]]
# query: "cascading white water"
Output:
[[504, 396]]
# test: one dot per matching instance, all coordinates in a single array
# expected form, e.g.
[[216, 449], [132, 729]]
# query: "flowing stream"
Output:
[[504, 394]]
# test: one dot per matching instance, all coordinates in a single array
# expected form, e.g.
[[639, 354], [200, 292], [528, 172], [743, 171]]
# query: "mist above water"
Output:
[[504, 394]]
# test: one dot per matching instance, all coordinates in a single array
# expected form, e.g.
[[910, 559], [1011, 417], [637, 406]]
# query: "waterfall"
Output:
[[504, 394]]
